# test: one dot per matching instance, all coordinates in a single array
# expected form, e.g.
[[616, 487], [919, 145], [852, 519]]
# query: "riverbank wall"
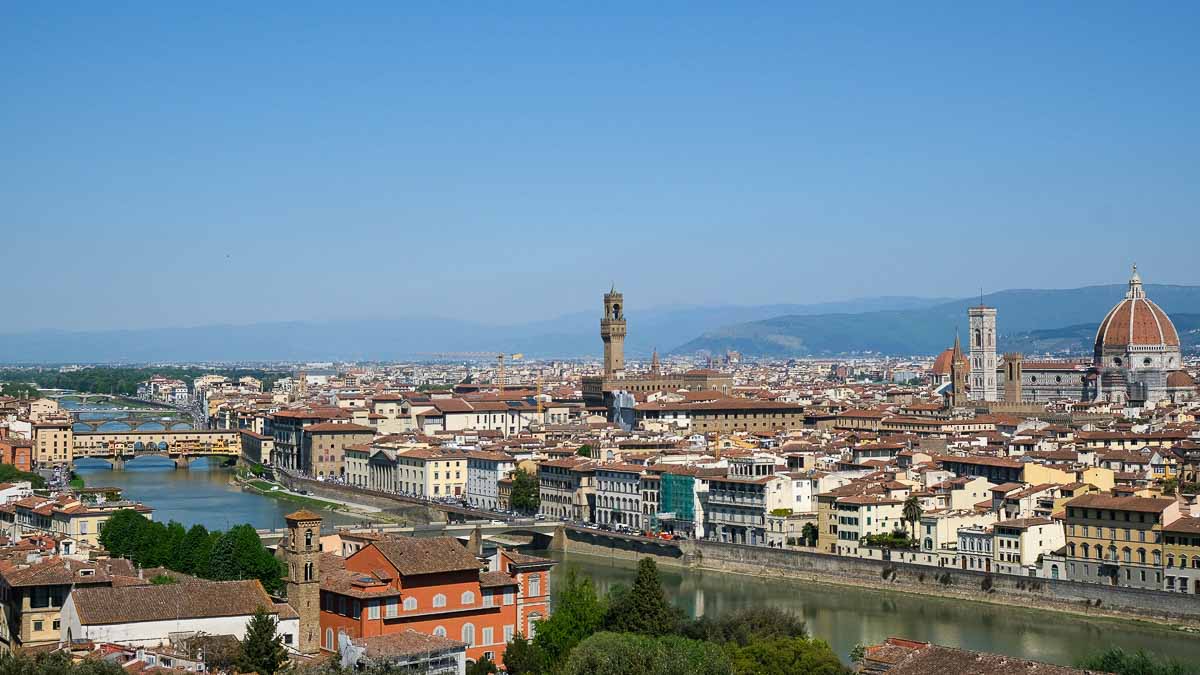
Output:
[[414, 513], [1180, 609]]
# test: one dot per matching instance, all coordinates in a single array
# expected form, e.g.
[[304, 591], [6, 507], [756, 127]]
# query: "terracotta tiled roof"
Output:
[[167, 602], [412, 556]]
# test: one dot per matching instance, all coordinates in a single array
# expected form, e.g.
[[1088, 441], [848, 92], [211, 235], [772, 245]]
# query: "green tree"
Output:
[[1121, 662], [262, 649], [11, 474], [193, 552], [584, 450], [239, 554], [744, 626], [483, 666], [121, 532], [810, 534], [912, 513], [522, 657], [578, 613], [644, 608], [56, 663], [786, 655], [525, 497], [623, 653]]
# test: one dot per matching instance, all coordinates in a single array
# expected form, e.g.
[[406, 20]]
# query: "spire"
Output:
[[1135, 285], [654, 361]]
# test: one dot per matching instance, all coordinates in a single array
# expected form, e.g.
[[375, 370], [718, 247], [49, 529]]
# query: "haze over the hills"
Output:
[[1031, 321]]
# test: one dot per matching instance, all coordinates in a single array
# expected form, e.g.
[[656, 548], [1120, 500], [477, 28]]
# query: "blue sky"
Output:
[[163, 164]]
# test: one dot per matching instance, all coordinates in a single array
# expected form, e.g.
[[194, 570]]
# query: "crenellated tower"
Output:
[[612, 332]]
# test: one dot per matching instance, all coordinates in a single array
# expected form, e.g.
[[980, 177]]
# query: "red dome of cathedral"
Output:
[[1180, 378], [1136, 321]]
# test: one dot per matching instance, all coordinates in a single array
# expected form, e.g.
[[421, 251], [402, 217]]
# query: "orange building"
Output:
[[17, 452], [436, 587]]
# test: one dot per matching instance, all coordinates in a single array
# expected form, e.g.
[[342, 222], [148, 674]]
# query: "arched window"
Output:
[[468, 598], [1126, 555], [308, 538], [1054, 571], [1141, 555], [468, 634], [532, 624], [440, 631], [439, 600], [410, 604], [1087, 550], [1183, 562], [1170, 559], [1071, 549], [1112, 553], [329, 639]]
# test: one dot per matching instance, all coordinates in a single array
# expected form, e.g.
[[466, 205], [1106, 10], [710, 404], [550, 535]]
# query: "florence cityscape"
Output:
[[652, 339]]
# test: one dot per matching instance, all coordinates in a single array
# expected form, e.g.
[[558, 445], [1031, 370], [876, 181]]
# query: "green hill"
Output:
[[1026, 319]]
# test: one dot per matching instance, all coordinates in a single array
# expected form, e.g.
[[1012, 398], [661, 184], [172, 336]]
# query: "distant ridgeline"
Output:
[[1031, 322]]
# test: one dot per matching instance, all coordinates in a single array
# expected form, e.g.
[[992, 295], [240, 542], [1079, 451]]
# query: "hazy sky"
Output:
[[189, 163]]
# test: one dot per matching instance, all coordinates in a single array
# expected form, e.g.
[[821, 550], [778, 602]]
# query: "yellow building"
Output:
[[1181, 541], [1118, 540], [53, 442]]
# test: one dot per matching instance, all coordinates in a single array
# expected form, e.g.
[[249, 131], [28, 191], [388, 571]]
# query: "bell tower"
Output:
[[302, 555], [612, 332]]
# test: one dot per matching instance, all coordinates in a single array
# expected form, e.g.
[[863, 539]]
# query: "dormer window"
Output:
[[87, 573]]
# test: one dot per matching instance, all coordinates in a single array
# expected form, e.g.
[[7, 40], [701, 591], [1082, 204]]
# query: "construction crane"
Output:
[[500, 368]]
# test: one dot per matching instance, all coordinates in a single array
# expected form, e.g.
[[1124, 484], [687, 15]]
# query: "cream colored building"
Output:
[[53, 442]]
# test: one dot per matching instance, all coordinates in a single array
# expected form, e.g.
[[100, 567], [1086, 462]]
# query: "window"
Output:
[[439, 631], [372, 609], [508, 598], [508, 634], [329, 639], [468, 598], [535, 585], [37, 626], [488, 636], [393, 608], [468, 634], [439, 600]]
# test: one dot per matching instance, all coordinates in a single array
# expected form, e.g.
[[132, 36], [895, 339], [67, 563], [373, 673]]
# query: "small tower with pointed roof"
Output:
[[959, 370], [302, 555]]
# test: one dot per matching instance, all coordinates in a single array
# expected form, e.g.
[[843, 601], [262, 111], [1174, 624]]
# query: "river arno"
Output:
[[848, 616], [202, 493]]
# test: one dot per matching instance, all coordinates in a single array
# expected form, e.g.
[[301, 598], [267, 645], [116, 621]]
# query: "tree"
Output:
[[483, 666], [262, 649], [584, 450], [621, 653], [786, 655], [644, 608], [194, 550], [522, 657], [1118, 661], [810, 534], [743, 626], [524, 497], [578, 613], [56, 663], [121, 532], [239, 554], [912, 513], [11, 474]]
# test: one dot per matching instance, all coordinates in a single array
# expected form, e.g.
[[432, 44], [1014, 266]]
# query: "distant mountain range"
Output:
[[1031, 321], [571, 335]]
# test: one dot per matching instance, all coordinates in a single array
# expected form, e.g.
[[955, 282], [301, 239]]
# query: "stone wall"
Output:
[[944, 581], [414, 513]]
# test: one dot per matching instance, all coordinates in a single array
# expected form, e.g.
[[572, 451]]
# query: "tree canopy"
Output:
[[525, 496], [622, 653], [262, 649], [1122, 662], [236, 554], [578, 613], [643, 609]]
